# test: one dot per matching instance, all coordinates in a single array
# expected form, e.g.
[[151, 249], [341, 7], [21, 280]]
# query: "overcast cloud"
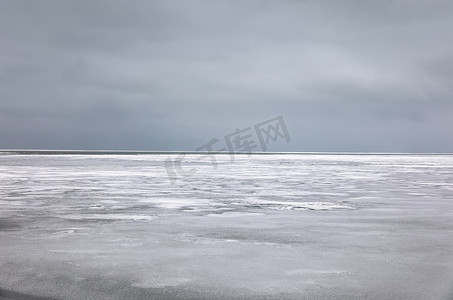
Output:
[[171, 75]]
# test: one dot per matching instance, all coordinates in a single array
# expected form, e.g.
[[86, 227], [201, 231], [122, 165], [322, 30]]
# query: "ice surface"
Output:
[[264, 226]]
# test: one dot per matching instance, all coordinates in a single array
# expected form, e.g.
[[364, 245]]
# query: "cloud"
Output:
[[171, 75]]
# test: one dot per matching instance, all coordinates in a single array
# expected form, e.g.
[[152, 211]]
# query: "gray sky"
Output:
[[172, 75]]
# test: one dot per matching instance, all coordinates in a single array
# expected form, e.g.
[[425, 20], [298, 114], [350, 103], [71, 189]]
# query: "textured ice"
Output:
[[280, 226], [106, 217]]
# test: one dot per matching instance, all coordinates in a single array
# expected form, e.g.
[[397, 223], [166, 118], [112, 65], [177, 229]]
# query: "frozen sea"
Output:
[[270, 226]]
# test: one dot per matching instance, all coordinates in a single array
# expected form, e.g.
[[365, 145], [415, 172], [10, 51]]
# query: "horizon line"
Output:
[[144, 152]]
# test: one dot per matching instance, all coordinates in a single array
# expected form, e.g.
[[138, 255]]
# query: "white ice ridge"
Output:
[[296, 205]]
